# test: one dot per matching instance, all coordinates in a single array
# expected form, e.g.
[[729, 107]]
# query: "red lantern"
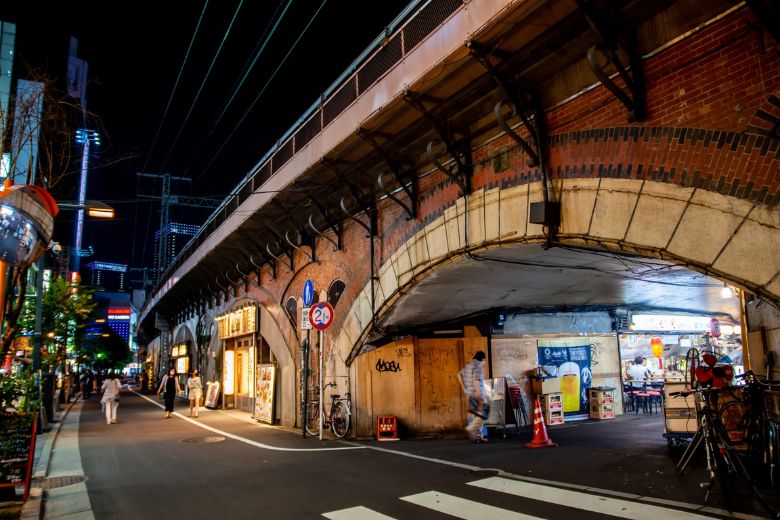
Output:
[[657, 346]]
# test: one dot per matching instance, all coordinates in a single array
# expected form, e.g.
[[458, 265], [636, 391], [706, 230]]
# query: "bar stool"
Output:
[[643, 400], [654, 399]]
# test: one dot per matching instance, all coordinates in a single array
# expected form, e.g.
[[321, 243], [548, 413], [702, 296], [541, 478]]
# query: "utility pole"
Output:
[[166, 201]]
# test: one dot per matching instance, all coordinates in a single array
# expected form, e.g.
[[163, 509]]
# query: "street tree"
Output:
[[105, 350], [67, 309]]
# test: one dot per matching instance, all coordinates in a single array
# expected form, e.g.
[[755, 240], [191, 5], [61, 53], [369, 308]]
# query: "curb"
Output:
[[33, 508]]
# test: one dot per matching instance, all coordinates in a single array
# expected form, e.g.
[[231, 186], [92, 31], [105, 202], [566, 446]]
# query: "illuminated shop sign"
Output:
[[237, 323], [179, 350], [119, 317], [182, 365], [664, 322], [229, 372], [118, 310]]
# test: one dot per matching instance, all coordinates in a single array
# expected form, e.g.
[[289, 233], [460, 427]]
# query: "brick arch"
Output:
[[706, 231]]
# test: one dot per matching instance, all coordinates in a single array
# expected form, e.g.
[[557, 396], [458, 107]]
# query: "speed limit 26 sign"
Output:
[[321, 315]]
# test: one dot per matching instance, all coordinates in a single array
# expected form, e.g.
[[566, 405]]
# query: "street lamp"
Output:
[[94, 208]]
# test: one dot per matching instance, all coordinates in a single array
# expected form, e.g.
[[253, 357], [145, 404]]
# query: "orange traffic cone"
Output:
[[540, 440]]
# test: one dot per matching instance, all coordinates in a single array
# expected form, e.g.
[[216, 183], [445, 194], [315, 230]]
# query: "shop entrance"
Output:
[[239, 373]]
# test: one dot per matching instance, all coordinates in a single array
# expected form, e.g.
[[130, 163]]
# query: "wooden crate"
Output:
[[688, 402]]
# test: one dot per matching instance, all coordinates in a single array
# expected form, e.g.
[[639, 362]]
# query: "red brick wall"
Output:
[[710, 97]]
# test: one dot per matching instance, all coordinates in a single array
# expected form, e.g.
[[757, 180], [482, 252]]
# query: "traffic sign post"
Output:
[[305, 322], [308, 293], [321, 315], [308, 297]]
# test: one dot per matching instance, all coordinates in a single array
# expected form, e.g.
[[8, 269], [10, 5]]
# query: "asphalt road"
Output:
[[150, 467]]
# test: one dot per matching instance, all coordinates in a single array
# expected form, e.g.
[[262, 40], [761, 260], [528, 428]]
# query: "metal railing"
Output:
[[419, 19]]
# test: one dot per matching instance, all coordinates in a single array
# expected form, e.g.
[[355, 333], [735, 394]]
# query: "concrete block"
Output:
[[654, 220], [752, 254], [615, 203], [388, 279], [534, 195], [491, 206], [702, 232], [454, 227], [436, 237], [513, 211], [476, 218], [578, 197]]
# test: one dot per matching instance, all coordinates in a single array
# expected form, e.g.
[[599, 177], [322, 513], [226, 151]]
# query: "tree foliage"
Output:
[[67, 308]]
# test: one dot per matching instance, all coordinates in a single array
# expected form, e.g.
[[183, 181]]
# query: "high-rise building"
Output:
[[175, 236], [7, 42], [108, 275]]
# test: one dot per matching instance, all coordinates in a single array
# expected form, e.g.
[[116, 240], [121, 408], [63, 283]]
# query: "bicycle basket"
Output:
[[772, 405]]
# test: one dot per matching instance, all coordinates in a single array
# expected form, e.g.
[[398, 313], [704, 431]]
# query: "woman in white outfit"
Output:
[[110, 399], [195, 389]]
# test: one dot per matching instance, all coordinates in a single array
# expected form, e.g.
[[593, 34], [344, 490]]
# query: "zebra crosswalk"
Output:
[[464, 508]]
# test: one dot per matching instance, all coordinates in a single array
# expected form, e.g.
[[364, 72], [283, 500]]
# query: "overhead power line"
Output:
[[173, 90], [248, 70], [200, 89], [270, 79]]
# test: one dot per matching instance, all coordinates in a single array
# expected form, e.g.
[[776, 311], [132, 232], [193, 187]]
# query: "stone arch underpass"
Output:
[[731, 239]]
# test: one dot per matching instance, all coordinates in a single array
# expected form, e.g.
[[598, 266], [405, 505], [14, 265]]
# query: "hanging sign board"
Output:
[[237, 323], [321, 316], [264, 400]]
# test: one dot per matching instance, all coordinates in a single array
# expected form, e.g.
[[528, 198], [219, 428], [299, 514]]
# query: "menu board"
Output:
[[17, 448], [264, 396], [212, 394]]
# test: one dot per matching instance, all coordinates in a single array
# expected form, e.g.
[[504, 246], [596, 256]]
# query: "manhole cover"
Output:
[[205, 440], [58, 482]]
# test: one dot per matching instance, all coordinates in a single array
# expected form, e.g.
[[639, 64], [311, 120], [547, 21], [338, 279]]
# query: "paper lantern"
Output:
[[657, 346]]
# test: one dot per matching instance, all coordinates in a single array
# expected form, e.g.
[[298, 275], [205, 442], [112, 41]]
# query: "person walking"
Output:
[[110, 399], [472, 381], [169, 387], [86, 384], [195, 390]]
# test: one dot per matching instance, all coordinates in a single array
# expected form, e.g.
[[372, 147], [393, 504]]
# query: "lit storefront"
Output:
[[180, 360], [665, 340], [238, 332]]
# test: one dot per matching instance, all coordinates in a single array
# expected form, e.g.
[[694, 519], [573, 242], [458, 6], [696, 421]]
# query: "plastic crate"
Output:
[[601, 395], [602, 411], [552, 401], [552, 417]]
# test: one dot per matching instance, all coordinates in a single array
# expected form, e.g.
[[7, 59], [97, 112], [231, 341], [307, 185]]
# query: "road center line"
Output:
[[244, 439]]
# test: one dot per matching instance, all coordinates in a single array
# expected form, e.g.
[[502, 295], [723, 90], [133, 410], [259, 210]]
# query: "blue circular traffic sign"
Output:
[[321, 316], [308, 293]]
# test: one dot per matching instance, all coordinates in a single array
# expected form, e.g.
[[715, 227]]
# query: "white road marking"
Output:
[[356, 513], [244, 439], [462, 508], [584, 501]]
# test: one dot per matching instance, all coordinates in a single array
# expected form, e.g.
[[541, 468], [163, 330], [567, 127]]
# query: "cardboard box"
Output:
[[549, 385], [688, 402], [682, 425]]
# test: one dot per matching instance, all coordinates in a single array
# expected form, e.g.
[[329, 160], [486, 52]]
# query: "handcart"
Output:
[[681, 418]]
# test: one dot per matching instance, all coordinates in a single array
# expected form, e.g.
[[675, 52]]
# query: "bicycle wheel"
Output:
[[734, 417], [313, 418], [339, 419]]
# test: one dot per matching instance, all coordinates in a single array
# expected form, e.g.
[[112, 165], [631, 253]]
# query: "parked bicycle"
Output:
[[725, 436], [337, 418]]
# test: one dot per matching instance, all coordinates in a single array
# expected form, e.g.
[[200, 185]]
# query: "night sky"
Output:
[[135, 50]]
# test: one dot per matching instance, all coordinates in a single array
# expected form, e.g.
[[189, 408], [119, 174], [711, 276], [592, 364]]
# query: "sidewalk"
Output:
[[57, 490]]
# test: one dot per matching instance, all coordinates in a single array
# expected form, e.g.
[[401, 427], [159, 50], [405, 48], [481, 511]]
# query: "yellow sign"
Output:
[[182, 365], [237, 323]]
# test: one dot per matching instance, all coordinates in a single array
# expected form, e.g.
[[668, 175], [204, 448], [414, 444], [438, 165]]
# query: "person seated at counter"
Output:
[[638, 374]]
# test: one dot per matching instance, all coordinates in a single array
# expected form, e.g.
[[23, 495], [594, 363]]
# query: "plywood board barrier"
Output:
[[440, 398], [392, 370]]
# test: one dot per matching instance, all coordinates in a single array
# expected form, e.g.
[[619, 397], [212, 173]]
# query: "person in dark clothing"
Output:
[[86, 384], [169, 387]]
